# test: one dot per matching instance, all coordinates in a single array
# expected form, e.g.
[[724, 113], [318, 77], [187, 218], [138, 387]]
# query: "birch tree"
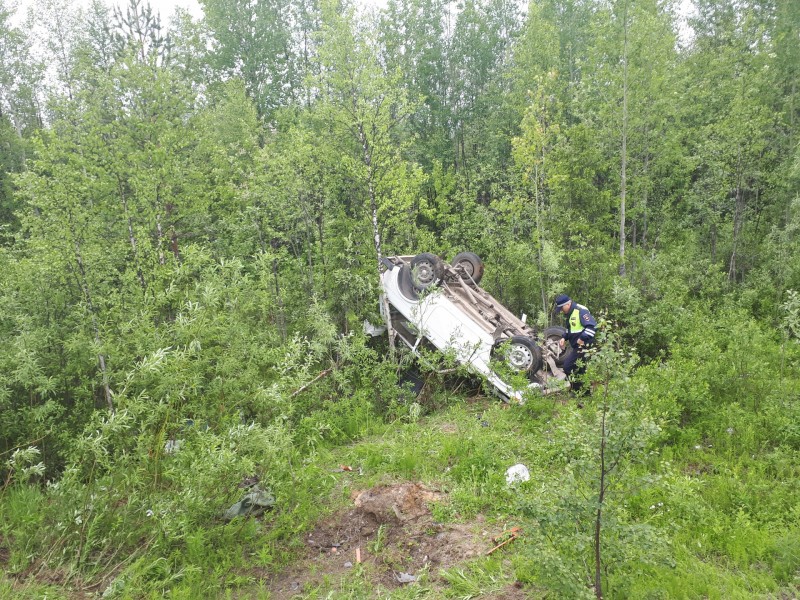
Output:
[[367, 109]]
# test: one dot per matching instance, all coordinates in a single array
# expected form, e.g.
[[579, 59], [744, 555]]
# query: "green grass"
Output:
[[714, 516], [10, 590], [476, 578], [724, 519]]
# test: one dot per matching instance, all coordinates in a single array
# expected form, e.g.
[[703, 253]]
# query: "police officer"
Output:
[[581, 328]]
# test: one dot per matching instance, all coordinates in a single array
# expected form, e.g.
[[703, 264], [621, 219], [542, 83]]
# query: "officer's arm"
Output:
[[589, 326]]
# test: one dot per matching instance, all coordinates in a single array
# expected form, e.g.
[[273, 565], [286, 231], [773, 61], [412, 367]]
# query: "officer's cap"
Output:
[[561, 300]]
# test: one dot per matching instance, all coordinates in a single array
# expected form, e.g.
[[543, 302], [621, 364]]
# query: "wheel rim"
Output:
[[520, 357], [424, 272], [468, 267]]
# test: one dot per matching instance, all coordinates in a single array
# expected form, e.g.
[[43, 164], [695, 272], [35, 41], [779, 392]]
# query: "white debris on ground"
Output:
[[517, 474]]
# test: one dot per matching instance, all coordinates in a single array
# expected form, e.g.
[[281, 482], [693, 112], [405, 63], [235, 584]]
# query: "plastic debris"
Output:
[[348, 565], [254, 503], [405, 578], [172, 446], [517, 474], [115, 588]]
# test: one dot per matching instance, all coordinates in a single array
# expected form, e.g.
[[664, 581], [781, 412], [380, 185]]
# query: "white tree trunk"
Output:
[[623, 173]]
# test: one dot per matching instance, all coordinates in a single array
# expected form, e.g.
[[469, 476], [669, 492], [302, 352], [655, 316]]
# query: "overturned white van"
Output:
[[430, 300]]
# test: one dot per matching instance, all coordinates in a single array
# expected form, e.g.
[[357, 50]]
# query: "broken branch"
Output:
[[303, 388]]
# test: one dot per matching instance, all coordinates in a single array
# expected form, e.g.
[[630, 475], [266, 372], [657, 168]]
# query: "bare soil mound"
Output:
[[396, 503], [391, 530]]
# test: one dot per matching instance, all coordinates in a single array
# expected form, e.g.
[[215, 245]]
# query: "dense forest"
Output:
[[192, 213]]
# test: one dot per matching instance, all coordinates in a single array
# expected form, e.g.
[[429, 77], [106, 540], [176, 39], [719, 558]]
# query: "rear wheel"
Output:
[[523, 355], [552, 335], [469, 266], [427, 270]]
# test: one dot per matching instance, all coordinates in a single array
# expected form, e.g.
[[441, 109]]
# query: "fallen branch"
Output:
[[31, 443], [449, 371], [513, 534], [303, 388]]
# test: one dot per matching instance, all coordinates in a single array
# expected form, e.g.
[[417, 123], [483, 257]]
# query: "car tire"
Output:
[[427, 271], [411, 382], [524, 355], [469, 266], [554, 334]]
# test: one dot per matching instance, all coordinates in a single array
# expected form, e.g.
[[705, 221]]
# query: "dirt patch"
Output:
[[391, 528], [396, 503], [448, 428], [63, 585], [514, 591], [696, 469], [5, 554]]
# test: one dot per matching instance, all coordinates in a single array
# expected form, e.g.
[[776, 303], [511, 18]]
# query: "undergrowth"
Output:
[[703, 502]]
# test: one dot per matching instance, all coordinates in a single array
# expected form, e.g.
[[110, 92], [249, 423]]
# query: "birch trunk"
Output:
[[373, 202], [598, 582], [623, 174]]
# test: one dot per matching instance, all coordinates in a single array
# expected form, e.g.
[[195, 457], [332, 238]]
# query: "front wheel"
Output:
[[523, 355]]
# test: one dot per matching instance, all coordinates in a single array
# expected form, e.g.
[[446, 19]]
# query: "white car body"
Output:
[[448, 320]]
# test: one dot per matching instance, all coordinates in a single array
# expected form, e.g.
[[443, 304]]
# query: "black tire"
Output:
[[411, 382], [427, 270], [523, 354], [554, 334], [469, 266], [405, 284]]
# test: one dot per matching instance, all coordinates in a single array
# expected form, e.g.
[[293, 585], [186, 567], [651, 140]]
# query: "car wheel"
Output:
[[426, 270], [551, 337], [523, 355], [469, 266], [411, 382]]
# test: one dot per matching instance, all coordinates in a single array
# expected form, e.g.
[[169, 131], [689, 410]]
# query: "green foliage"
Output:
[[259, 43], [791, 319], [600, 457], [475, 579], [190, 220], [23, 466]]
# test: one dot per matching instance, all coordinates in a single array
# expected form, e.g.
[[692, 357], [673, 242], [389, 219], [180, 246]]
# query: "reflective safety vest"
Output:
[[575, 325], [581, 325]]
